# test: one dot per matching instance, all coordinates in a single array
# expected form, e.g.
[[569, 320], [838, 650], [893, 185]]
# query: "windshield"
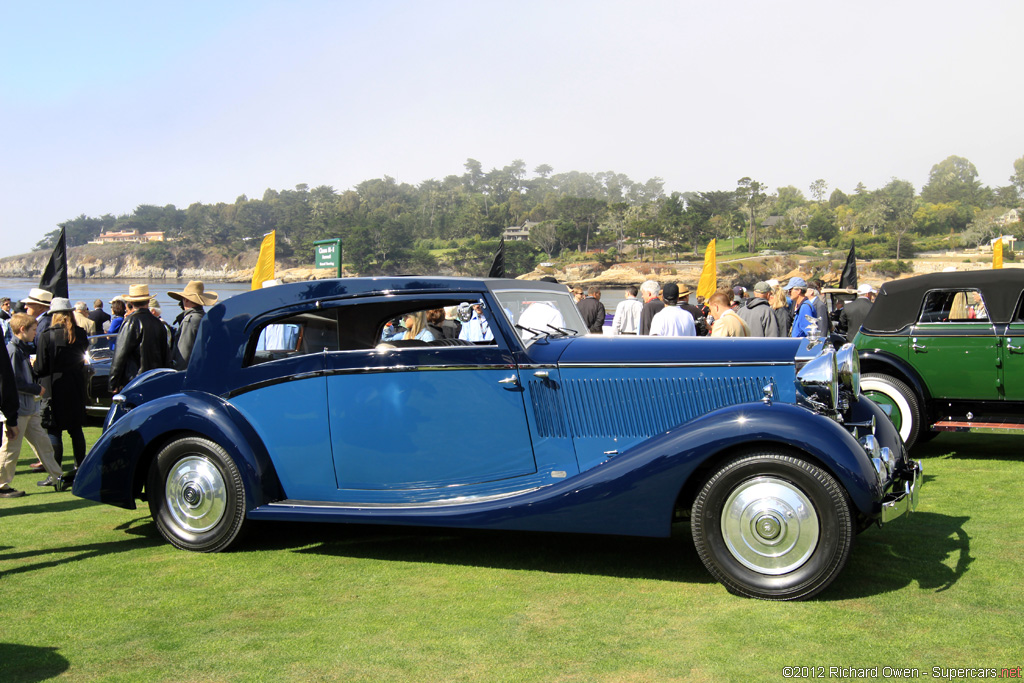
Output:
[[538, 314]]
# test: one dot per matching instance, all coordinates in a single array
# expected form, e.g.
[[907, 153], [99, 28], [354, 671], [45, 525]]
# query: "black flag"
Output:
[[849, 277], [498, 265], [55, 275]]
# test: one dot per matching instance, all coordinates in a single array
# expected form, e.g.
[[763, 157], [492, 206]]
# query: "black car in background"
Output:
[[97, 368]]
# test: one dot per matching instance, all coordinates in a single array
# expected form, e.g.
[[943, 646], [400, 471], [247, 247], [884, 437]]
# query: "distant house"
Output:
[[771, 221], [1011, 216], [128, 236], [518, 233]]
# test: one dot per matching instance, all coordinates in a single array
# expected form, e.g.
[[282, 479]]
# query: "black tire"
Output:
[[773, 526], [905, 408], [196, 495]]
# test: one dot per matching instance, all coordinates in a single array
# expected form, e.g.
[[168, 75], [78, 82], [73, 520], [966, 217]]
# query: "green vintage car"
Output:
[[945, 352]]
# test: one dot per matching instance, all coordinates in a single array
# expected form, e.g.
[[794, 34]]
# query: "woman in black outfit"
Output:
[[60, 362]]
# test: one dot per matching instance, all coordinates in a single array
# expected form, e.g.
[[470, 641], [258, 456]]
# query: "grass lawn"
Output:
[[91, 593]]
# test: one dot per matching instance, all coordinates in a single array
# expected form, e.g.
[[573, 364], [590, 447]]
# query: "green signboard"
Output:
[[328, 254]]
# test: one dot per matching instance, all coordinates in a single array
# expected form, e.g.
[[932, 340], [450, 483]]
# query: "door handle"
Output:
[[921, 348], [513, 381], [1011, 347]]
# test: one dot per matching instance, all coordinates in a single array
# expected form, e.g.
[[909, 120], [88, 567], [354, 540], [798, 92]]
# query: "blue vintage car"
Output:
[[293, 408]]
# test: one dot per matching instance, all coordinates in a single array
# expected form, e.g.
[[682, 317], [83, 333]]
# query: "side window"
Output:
[[954, 306], [1018, 317], [431, 324], [296, 335]]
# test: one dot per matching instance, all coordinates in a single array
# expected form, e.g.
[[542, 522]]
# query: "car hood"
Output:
[[671, 350]]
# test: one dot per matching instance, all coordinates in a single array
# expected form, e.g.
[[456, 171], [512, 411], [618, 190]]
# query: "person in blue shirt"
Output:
[[414, 327], [802, 306], [475, 328]]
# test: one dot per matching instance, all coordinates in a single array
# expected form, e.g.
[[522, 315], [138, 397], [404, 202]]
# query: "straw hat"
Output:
[[137, 294], [38, 296], [60, 305], [194, 292]]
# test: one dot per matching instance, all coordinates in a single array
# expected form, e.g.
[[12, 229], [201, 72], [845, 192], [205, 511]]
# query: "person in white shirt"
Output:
[[540, 317], [672, 321], [627, 313]]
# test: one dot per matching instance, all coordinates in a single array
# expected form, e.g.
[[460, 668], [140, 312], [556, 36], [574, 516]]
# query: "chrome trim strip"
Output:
[[416, 368], [702, 364], [443, 503]]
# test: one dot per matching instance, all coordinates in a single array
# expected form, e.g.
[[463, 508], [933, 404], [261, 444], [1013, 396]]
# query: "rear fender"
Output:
[[115, 469]]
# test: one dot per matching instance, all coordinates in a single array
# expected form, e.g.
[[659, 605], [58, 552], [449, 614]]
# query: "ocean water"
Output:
[[90, 290]]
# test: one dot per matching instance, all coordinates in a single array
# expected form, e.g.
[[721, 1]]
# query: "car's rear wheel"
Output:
[[773, 526], [196, 495], [898, 400]]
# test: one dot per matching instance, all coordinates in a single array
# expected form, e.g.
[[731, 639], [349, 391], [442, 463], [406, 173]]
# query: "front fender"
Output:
[[878, 360], [115, 467], [692, 446]]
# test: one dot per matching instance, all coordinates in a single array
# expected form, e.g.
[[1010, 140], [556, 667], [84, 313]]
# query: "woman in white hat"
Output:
[[191, 299], [60, 363]]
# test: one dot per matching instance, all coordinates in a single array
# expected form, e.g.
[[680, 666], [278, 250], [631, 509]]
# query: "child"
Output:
[[23, 326]]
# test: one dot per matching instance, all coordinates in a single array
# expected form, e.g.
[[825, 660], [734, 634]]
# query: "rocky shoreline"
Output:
[[87, 263]]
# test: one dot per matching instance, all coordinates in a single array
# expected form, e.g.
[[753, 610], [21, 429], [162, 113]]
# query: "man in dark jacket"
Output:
[[98, 315], [592, 310], [649, 290], [141, 342], [853, 313], [192, 299], [758, 315]]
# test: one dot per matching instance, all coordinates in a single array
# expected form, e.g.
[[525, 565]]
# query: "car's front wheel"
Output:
[[898, 400], [773, 526], [196, 495]]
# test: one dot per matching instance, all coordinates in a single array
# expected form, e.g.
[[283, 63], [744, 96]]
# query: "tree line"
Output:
[[453, 225]]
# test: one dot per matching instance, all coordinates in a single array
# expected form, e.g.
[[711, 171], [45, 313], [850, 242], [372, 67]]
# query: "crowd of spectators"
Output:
[[42, 367], [770, 309]]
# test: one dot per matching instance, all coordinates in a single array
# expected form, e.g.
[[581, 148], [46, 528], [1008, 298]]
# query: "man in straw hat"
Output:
[[192, 299], [141, 341], [37, 305]]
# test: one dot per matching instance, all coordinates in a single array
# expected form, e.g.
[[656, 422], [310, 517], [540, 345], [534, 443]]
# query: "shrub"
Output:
[[893, 268]]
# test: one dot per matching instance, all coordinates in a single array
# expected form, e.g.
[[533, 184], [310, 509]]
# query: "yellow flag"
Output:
[[265, 262], [997, 253], [709, 276]]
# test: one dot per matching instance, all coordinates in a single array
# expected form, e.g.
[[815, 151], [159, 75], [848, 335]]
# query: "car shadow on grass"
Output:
[[31, 663], [666, 559], [925, 548]]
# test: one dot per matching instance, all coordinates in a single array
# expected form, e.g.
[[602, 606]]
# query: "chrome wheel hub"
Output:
[[195, 493], [769, 525]]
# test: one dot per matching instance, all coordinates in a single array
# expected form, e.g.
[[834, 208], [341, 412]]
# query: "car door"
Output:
[[954, 346], [420, 420], [282, 393], [1012, 355]]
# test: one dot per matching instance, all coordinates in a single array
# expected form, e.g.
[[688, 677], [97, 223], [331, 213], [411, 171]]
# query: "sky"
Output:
[[109, 105]]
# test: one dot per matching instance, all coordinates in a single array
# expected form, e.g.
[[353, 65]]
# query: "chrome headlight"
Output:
[[818, 378], [848, 365]]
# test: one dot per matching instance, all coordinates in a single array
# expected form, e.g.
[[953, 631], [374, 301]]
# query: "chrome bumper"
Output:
[[903, 498]]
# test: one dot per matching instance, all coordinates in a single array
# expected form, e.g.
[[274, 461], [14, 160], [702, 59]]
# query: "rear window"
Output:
[[954, 306]]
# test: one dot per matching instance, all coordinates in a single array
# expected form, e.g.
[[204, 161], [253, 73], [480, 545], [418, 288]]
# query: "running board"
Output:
[[979, 427]]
